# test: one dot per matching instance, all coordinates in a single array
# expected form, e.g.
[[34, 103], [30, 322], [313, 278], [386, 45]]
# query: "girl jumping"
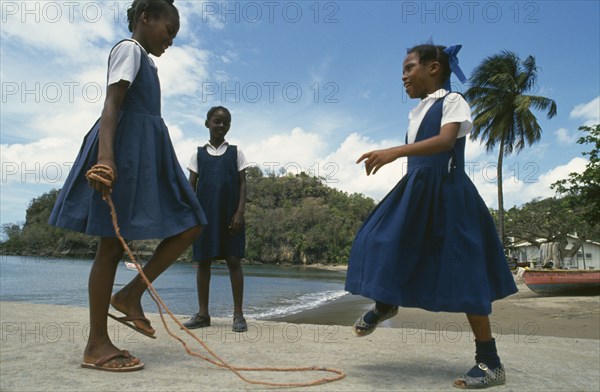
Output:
[[431, 243]]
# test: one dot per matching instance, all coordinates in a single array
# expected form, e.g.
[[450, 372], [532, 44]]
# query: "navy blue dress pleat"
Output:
[[431, 243], [218, 192], [152, 196]]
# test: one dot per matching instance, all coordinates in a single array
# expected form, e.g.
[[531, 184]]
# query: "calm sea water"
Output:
[[269, 290]]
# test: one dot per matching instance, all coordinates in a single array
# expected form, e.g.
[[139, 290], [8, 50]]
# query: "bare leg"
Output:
[[102, 277], [128, 299], [236, 276], [203, 284], [481, 327]]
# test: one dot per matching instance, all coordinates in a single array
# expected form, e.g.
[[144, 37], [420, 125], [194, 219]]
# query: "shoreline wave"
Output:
[[303, 303]]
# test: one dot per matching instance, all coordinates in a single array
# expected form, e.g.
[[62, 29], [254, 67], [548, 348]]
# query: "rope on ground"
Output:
[[105, 175]]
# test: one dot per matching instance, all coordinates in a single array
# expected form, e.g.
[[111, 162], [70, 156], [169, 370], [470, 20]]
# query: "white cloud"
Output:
[[299, 150], [46, 161], [182, 70], [352, 178], [72, 123], [194, 13], [522, 180], [473, 149], [575, 165], [69, 29], [489, 192], [527, 185], [564, 136], [296, 150], [588, 112], [50, 109]]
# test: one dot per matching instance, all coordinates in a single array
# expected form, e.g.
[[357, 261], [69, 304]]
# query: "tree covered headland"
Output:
[[289, 219]]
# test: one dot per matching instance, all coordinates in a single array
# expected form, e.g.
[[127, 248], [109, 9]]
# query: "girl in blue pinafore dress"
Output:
[[218, 174], [151, 195], [150, 191], [431, 243], [218, 191]]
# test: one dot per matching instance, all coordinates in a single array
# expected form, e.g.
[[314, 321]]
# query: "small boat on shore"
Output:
[[130, 266], [562, 282]]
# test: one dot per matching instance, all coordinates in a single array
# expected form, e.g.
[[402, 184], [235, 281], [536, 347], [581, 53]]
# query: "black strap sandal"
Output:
[[362, 328], [490, 378]]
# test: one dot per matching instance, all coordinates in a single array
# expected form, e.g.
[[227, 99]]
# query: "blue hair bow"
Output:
[[452, 51]]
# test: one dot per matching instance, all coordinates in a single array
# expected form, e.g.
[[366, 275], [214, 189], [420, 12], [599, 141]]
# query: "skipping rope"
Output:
[[105, 175]]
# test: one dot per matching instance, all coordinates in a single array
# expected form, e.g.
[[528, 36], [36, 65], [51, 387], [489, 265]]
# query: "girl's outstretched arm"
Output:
[[115, 96], [375, 160]]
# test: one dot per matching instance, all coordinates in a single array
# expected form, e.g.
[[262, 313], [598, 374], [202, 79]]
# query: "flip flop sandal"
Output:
[[124, 320], [491, 378], [99, 364], [362, 328]]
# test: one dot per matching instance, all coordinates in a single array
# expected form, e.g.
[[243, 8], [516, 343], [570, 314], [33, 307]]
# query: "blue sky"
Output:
[[311, 85]]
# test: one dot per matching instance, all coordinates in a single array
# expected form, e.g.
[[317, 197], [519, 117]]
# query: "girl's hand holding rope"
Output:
[[101, 177]]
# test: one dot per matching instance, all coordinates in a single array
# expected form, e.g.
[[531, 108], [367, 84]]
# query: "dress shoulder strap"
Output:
[[118, 43], [113, 48], [234, 152]]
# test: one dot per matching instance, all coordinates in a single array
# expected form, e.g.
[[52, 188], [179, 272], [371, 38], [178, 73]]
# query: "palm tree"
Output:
[[502, 109]]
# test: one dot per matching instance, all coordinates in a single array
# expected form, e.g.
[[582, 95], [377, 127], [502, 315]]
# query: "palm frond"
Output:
[[528, 75], [542, 104]]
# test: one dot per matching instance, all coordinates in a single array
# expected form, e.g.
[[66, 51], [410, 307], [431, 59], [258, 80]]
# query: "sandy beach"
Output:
[[525, 314], [547, 344]]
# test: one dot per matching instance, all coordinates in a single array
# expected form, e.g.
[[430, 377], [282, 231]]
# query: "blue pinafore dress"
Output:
[[431, 243], [152, 196], [218, 192]]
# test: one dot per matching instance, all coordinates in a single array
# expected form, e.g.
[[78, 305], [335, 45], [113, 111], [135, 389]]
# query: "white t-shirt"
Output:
[[217, 152], [455, 109], [124, 62]]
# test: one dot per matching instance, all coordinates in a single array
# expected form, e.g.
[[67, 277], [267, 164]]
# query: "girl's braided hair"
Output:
[[154, 7]]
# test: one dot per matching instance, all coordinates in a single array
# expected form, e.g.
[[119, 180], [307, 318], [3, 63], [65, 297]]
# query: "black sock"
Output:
[[371, 318], [383, 308], [486, 352]]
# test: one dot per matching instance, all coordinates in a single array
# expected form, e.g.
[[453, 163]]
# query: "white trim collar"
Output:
[[225, 143], [436, 94]]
